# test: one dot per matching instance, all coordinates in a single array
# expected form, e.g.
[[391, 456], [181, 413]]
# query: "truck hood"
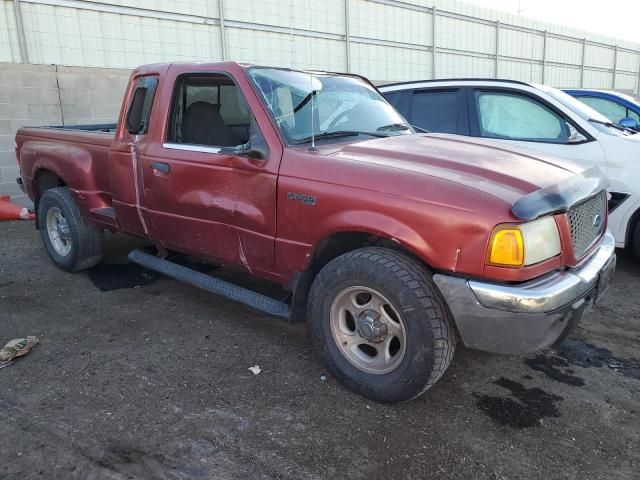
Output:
[[508, 173]]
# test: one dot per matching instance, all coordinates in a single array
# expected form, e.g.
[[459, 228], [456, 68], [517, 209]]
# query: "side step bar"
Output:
[[211, 284]]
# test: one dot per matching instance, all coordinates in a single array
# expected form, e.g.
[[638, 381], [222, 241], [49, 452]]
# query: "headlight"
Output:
[[516, 245]]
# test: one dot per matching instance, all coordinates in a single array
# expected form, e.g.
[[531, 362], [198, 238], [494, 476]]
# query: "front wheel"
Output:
[[71, 243], [381, 324]]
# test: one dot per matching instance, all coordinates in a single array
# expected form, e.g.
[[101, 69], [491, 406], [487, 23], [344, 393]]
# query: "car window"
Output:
[[137, 121], [608, 108], [634, 115], [517, 117], [435, 111], [208, 110]]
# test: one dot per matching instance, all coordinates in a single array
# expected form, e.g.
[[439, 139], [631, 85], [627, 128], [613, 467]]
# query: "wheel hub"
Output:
[[371, 327], [368, 330], [63, 229]]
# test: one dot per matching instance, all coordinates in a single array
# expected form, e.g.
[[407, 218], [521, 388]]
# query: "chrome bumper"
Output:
[[532, 315]]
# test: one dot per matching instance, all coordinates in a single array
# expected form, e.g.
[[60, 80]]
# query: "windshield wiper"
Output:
[[392, 127], [305, 100], [337, 133], [617, 126]]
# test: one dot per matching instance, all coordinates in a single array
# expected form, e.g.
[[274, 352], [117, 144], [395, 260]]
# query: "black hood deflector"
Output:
[[560, 197]]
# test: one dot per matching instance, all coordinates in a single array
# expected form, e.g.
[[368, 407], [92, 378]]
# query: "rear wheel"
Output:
[[380, 324], [71, 243]]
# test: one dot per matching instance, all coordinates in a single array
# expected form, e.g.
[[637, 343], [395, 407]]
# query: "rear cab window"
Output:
[[139, 112]]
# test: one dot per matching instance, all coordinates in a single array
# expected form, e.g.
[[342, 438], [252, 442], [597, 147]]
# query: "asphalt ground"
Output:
[[140, 377]]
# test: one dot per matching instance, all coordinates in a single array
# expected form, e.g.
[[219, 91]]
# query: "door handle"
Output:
[[161, 167]]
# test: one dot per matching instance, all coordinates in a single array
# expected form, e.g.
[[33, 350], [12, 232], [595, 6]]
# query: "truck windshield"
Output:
[[326, 106]]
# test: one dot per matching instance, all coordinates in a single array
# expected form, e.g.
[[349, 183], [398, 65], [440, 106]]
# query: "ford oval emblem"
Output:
[[597, 221]]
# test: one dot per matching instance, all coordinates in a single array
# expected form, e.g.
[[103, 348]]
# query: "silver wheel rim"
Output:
[[58, 231], [368, 330]]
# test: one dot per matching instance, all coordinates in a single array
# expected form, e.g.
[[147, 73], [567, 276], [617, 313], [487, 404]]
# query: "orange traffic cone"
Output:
[[10, 211]]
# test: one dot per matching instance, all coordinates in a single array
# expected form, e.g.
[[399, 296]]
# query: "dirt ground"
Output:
[[138, 376]]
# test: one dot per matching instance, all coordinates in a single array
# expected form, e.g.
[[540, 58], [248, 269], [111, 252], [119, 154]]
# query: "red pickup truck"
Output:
[[395, 245]]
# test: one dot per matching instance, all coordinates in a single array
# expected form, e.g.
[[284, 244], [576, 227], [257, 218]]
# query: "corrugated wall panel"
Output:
[[598, 56], [9, 48], [205, 8], [465, 35], [627, 62], [390, 63], [319, 54], [70, 36], [626, 81], [561, 50], [325, 16], [597, 79], [451, 66], [562, 77], [267, 48], [519, 44], [387, 22], [528, 72], [390, 39]]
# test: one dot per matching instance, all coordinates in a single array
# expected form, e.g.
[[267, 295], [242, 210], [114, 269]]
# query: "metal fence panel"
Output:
[[384, 39], [9, 47]]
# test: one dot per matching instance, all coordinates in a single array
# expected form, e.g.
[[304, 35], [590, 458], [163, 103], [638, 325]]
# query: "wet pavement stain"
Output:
[[527, 410], [117, 276], [575, 352], [555, 368]]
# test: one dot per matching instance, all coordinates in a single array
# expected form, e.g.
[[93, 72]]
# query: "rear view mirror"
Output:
[[574, 135], [629, 122]]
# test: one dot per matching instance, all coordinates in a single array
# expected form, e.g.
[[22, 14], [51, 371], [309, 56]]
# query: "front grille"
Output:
[[587, 222]]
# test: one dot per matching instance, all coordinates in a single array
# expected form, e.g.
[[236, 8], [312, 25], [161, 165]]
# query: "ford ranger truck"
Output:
[[394, 245]]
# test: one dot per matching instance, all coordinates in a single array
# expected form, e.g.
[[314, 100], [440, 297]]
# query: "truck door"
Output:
[[200, 193], [124, 171]]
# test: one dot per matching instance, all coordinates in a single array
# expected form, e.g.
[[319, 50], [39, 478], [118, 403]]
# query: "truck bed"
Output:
[[77, 154]]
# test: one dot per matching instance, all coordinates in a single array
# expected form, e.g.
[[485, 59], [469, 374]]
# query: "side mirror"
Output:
[[256, 148], [628, 122], [574, 135]]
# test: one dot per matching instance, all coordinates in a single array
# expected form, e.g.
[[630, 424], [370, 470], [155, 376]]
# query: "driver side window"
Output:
[[209, 110], [516, 117]]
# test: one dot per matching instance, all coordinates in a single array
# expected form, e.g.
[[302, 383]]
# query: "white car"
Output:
[[533, 116]]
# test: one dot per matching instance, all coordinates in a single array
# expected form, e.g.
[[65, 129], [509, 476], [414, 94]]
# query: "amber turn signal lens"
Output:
[[507, 248]]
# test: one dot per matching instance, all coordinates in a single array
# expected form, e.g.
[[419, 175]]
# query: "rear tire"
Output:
[[71, 243], [380, 324]]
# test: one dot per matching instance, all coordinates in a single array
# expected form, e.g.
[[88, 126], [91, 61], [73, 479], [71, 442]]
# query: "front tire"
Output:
[[380, 324], [71, 243]]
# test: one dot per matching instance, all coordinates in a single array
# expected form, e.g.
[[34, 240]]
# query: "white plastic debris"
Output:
[[255, 369], [323, 378]]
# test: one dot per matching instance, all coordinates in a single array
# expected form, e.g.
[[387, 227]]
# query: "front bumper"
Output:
[[526, 317]]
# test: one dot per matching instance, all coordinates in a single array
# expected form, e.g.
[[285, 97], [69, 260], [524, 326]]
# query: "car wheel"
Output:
[[380, 324], [71, 243]]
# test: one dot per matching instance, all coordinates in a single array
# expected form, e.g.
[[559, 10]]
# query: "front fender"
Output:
[[380, 225]]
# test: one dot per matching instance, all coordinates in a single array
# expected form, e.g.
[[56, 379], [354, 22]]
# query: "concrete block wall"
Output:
[[34, 95]]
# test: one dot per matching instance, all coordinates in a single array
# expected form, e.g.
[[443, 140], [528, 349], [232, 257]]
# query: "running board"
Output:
[[211, 284]]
